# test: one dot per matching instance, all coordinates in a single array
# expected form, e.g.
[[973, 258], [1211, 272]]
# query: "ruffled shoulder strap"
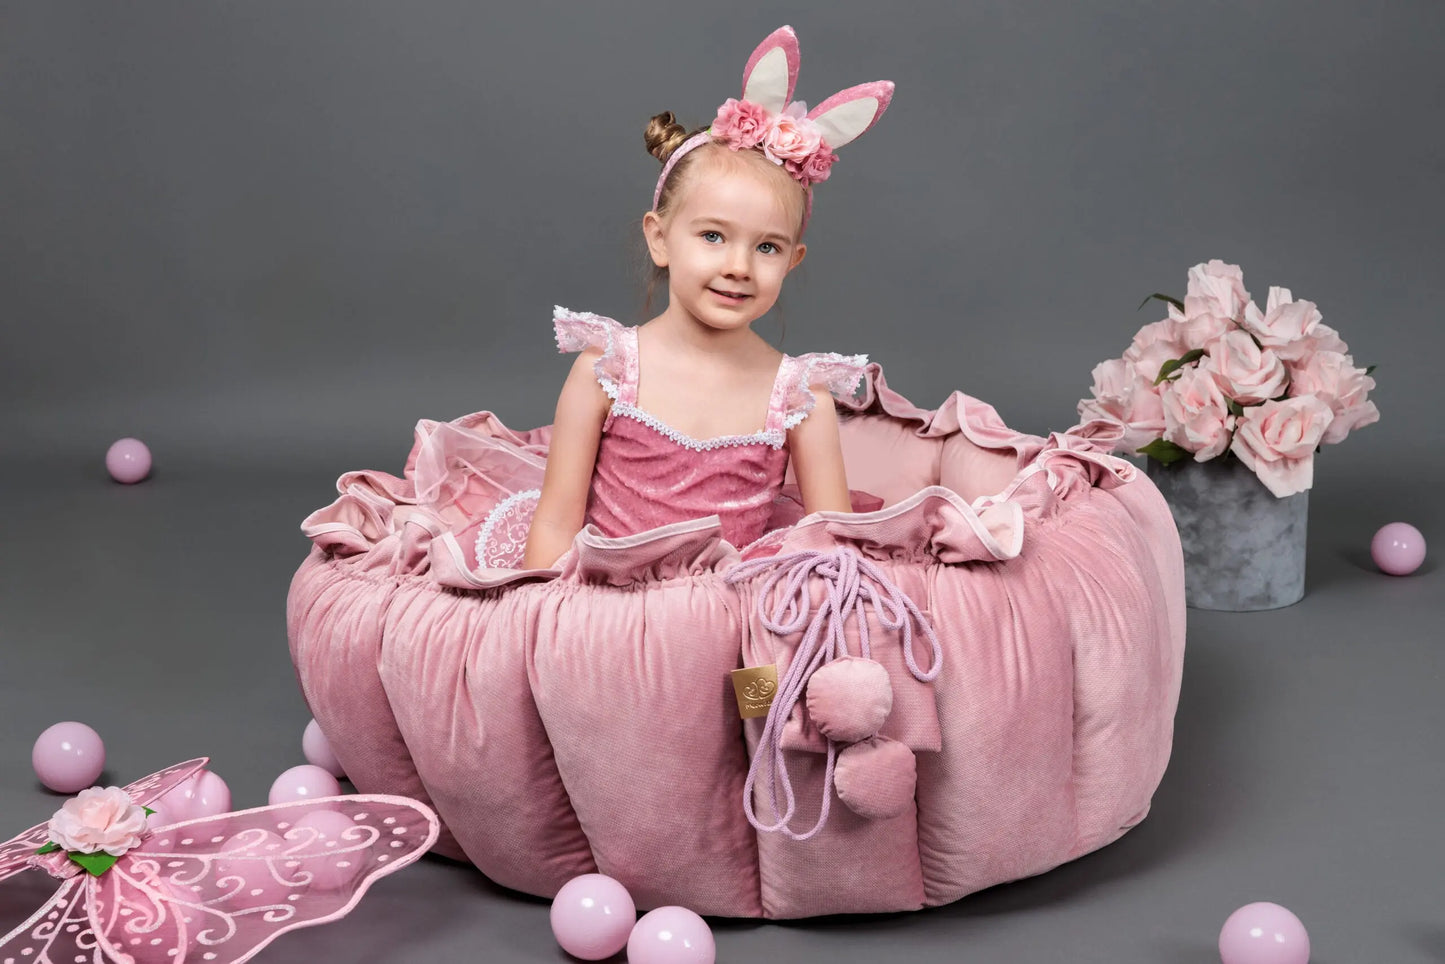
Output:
[[840, 374], [617, 368]]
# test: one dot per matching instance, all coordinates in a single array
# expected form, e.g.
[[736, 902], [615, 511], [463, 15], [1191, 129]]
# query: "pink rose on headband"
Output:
[[740, 123], [1277, 441], [791, 136], [816, 167], [98, 820]]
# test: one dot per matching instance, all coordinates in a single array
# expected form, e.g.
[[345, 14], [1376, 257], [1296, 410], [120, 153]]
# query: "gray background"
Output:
[[267, 237]]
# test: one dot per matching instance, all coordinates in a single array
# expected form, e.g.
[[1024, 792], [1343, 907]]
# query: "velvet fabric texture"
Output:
[[581, 719]]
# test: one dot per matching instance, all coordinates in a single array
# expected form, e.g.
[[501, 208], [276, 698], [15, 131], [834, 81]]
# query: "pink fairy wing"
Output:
[[17, 850], [218, 889], [771, 74], [59, 932]]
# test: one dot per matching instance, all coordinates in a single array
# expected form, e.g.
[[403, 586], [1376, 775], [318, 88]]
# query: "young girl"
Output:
[[693, 414]]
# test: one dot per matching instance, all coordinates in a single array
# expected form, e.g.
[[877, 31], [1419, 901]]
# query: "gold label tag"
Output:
[[755, 687]]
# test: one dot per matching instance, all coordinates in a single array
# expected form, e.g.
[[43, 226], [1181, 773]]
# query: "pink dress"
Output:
[[648, 474]]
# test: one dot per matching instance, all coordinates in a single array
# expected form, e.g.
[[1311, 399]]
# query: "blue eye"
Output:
[[770, 246], [711, 237]]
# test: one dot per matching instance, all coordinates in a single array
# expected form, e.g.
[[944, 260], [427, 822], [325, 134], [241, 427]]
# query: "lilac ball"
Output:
[[592, 916], [1398, 548], [68, 757], [1263, 933], [203, 795], [671, 935], [128, 460], [306, 782], [317, 750]]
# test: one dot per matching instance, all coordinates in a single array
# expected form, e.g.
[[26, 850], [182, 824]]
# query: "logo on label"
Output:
[[755, 687]]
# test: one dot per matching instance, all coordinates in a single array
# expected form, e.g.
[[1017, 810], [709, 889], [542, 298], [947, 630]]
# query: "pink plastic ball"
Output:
[[202, 795], [1398, 548], [671, 935], [317, 750], [1263, 933], [306, 782], [592, 916], [128, 460], [332, 870], [68, 757], [247, 876]]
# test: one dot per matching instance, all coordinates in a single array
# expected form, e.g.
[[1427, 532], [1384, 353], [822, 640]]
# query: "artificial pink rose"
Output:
[[1284, 321], [741, 123], [1154, 345], [791, 137], [1197, 332], [1122, 397], [1216, 288], [1321, 337], [1248, 373], [1196, 413], [815, 167], [98, 820], [1333, 378], [1277, 441]]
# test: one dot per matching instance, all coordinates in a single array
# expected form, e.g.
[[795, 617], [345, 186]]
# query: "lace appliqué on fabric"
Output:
[[773, 437], [578, 330], [840, 374], [502, 540]]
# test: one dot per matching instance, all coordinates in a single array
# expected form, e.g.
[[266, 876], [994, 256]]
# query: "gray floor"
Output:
[[1307, 767]]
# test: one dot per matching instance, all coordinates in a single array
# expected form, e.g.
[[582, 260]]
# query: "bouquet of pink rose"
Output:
[[1219, 376]]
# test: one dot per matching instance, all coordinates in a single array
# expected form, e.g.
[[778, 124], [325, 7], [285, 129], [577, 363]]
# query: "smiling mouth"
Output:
[[729, 295]]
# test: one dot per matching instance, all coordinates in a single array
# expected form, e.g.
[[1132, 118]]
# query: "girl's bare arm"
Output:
[[576, 431], [817, 455]]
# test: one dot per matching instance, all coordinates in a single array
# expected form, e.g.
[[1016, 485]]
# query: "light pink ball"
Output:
[[203, 795], [68, 757], [248, 875], [128, 460], [306, 782], [592, 916], [329, 870], [671, 935], [317, 750], [1263, 933], [1398, 548]]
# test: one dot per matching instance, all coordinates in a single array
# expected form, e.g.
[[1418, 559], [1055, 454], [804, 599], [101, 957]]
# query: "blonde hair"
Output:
[[664, 135]]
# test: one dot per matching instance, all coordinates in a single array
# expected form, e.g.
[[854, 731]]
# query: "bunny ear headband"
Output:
[[800, 141]]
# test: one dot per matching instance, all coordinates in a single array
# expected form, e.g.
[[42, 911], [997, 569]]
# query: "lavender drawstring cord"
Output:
[[848, 593]]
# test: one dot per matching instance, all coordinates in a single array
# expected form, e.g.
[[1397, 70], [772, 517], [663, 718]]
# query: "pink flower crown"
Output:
[[800, 141]]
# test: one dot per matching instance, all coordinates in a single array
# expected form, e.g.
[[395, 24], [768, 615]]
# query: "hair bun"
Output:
[[663, 135]]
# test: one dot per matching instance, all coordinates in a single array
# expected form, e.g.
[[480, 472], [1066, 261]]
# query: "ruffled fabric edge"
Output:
[[579, 330], [840, 374]]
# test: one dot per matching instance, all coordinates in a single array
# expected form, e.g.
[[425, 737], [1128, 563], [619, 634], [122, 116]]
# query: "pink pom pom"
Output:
[[876, 778], [306, 782], [68, 757], [849, 698], [128, 460], [1398, 548], [592, 916], [1263, 933], [317, 750], [671, 935]]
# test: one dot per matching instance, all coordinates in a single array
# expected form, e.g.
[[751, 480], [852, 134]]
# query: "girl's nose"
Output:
[[738, 261]]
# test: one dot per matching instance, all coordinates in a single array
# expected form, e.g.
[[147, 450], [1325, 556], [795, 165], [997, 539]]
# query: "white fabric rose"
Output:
[[98, 819]]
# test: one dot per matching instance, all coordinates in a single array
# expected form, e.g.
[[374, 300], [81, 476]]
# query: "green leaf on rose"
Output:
[[1164, 451], [96, 863], [148, 811], [49, 848], [1234, 407], [1156, 296], [1371, 369], [1174, 364]]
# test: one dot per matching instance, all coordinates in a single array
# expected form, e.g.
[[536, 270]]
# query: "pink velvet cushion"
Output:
[[581, 719]]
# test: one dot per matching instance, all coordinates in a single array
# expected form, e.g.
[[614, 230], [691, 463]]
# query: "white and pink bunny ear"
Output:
[[848, 113], [771, 75]]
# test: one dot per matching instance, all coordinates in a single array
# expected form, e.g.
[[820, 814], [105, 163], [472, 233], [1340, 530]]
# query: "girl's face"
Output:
[[727, 244]]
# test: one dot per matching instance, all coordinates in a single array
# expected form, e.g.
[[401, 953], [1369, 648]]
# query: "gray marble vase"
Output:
[[1244, 547]]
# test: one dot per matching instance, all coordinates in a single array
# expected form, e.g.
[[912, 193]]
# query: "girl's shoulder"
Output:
[[582, 330], [799, 375]]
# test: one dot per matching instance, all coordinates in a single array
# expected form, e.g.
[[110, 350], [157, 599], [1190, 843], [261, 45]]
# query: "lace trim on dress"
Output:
[[841, 374], [773, 437], [577, 330], [507, 552]]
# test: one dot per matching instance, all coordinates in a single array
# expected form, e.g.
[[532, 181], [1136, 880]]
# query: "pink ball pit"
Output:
[[582, 720]]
